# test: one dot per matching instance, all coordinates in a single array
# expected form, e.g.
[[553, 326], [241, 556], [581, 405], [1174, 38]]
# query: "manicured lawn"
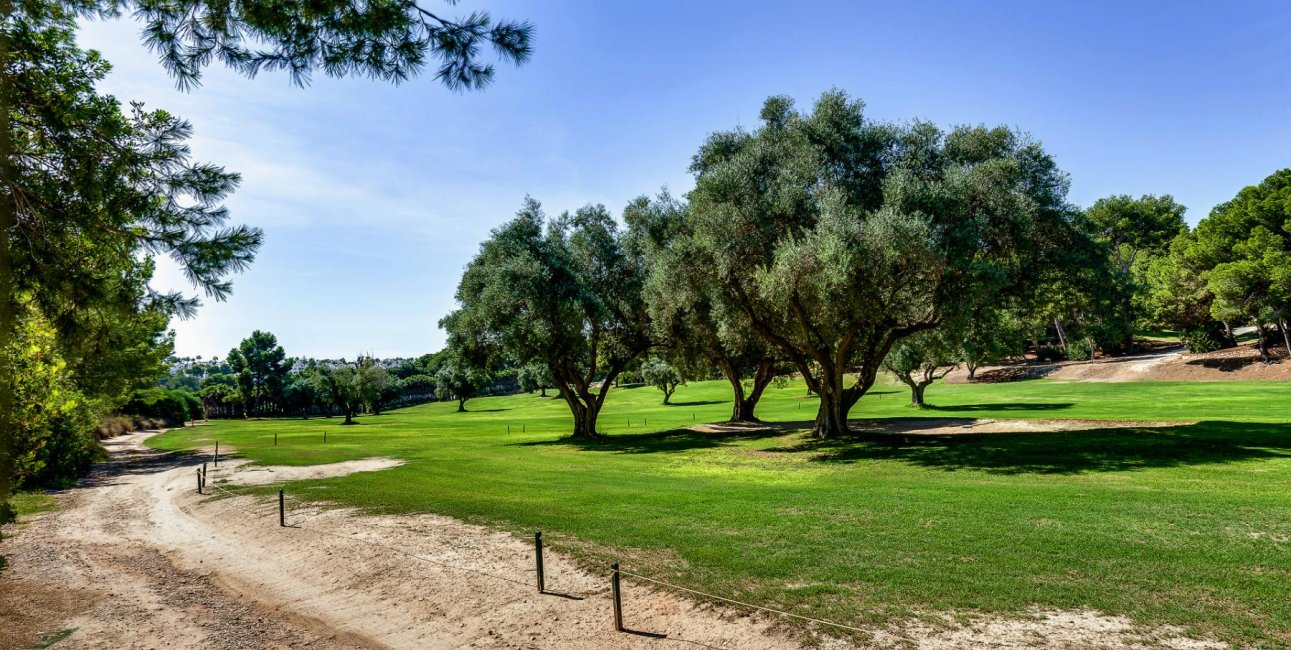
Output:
[[1187, 524]]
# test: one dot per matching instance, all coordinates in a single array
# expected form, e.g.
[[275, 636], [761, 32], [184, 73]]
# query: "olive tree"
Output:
[[535, 377], [662, 375], [921, 359], [565, 292], [459, 380], [837, 236], [692, 323]]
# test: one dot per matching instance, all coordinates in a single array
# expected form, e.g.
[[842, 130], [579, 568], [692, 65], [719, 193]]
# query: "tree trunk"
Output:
[[349, 416], [1127, 312], [1286, 338], [585, 419], [743, 405], [667, 394], [835, 402], [741, 410], [916, 395], [461, 405], [1263, 341], [972, 370], [542, 391], [1062, 336]]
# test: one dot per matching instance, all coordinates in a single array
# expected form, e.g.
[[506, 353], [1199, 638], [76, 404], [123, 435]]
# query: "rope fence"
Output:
[[267, 509]]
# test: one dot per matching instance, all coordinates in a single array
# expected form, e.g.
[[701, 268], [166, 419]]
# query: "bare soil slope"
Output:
[[1171, 364]]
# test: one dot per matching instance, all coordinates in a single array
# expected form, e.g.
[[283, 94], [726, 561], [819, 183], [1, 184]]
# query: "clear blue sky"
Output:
[[374, 196]]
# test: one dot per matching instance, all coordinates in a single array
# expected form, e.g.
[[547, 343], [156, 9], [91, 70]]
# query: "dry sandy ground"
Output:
[[1174, 364], [136, 559]]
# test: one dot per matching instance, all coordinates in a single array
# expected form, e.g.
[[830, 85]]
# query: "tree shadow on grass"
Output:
[[1004, 406], [1065, 452], [661, 441], [699, 402]]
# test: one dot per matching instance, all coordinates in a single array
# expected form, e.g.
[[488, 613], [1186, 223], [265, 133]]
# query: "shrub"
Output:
[[114, 425], [69, 451], [1080, 350], [1200, 340], [1048, 353], [52, 440], [193, 404], [169, 406]]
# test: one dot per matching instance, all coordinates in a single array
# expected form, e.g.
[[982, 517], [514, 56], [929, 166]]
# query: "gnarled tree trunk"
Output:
[[742, 410], [585, 405]]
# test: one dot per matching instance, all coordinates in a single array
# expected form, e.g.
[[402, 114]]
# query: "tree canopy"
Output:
[[564, 292], [1133, 231], [837, 236], [695, 325]]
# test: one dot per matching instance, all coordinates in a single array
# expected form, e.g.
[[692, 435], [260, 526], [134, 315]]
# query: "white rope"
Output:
[[744, 604]]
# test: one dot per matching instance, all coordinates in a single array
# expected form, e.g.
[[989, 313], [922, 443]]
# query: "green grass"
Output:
[[52, 638], [30, 503], [1160, 336], [1186, 524]]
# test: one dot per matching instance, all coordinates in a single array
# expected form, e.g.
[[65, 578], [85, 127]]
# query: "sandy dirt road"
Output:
[[136, 559]]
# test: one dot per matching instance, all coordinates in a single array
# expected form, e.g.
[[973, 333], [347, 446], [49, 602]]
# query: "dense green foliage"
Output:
[[1176, 524], [923, 358], [260, 366], [693, 325], [1234, 268], [568, 297], [90, 192], [459, 381], [837, 236], [1133, 231], [173, 407], [662, 375], [52, 439]]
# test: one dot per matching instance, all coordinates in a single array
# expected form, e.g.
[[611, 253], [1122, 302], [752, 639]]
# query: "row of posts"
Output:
[[615, 588]]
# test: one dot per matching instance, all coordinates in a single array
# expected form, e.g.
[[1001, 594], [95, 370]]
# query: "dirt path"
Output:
[[136, 559]]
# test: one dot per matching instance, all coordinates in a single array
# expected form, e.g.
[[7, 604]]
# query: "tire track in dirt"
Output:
[[166, 567]]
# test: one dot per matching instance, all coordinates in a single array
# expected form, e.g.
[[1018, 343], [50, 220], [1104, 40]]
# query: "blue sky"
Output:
[[373, 196]]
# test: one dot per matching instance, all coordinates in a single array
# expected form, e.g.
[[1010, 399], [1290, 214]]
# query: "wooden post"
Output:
[[203, 474], [199, 481], [282, 509], [324, 436], [275, 438], [618, 597], [524, 427], [537, 556], [217, 453]]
